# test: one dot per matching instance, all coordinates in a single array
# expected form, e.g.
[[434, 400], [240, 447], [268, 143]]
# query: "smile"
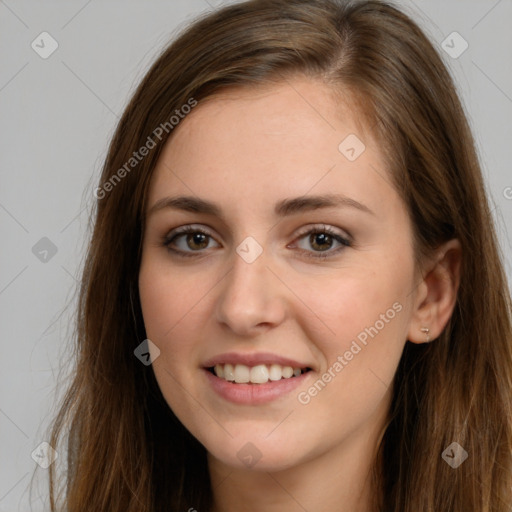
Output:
[[258, 374]]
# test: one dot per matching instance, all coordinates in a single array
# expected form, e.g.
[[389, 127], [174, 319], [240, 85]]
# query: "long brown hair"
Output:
[[126, 449]]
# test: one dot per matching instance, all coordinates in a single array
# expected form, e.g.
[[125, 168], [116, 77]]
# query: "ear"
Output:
[[436, 295]]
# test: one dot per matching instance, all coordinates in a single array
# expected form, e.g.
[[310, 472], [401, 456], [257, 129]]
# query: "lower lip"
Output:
[[254, 393]]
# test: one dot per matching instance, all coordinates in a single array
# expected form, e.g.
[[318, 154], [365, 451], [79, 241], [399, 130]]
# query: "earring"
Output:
[[426, 330]]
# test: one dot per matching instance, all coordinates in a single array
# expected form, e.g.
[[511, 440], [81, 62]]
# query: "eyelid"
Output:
[[320, 228], [187, 228]]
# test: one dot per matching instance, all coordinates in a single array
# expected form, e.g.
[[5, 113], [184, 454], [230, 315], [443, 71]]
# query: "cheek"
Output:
[[170, 302], [368, 317], [367, 321]]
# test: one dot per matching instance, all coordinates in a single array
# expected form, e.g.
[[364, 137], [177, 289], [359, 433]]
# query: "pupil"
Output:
[[322, 239], [197, 239]]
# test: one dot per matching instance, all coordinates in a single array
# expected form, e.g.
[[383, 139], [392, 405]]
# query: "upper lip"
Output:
[[253, 360]]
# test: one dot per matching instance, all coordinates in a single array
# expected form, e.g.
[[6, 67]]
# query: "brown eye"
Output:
[[322, 242], [196, 241], [188, 240]]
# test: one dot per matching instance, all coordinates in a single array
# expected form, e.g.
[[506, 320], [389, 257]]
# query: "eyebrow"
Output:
[[282, 208]]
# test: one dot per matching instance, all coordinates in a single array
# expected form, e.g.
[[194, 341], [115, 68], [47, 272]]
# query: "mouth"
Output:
[[257, 374]]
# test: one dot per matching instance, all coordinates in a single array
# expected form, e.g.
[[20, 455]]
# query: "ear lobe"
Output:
[[436, 303]]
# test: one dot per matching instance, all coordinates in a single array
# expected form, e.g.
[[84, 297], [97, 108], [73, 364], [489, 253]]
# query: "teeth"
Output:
[[242, 374], [259, 374], [219, 370], [287, 372], [276, 372], [228, 372]]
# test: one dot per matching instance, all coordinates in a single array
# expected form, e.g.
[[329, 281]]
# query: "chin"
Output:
[[250, 458], [255, 453]]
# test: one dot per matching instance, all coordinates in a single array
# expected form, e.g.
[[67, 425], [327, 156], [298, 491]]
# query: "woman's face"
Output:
[[299, 259]]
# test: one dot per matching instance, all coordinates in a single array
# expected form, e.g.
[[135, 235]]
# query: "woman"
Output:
[[293, 297]]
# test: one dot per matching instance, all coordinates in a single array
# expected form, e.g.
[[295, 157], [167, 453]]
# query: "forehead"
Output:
[[272, 141]]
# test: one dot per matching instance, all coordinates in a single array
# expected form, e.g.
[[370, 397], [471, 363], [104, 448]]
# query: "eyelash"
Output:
[[345, 242]]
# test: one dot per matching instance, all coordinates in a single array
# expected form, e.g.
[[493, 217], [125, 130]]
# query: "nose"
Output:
[[251, 298]]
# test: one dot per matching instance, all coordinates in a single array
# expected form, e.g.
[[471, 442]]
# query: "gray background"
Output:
[[57, 117]]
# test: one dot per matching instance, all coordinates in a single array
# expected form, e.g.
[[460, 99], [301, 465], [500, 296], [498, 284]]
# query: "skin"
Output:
[[246, 150]]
